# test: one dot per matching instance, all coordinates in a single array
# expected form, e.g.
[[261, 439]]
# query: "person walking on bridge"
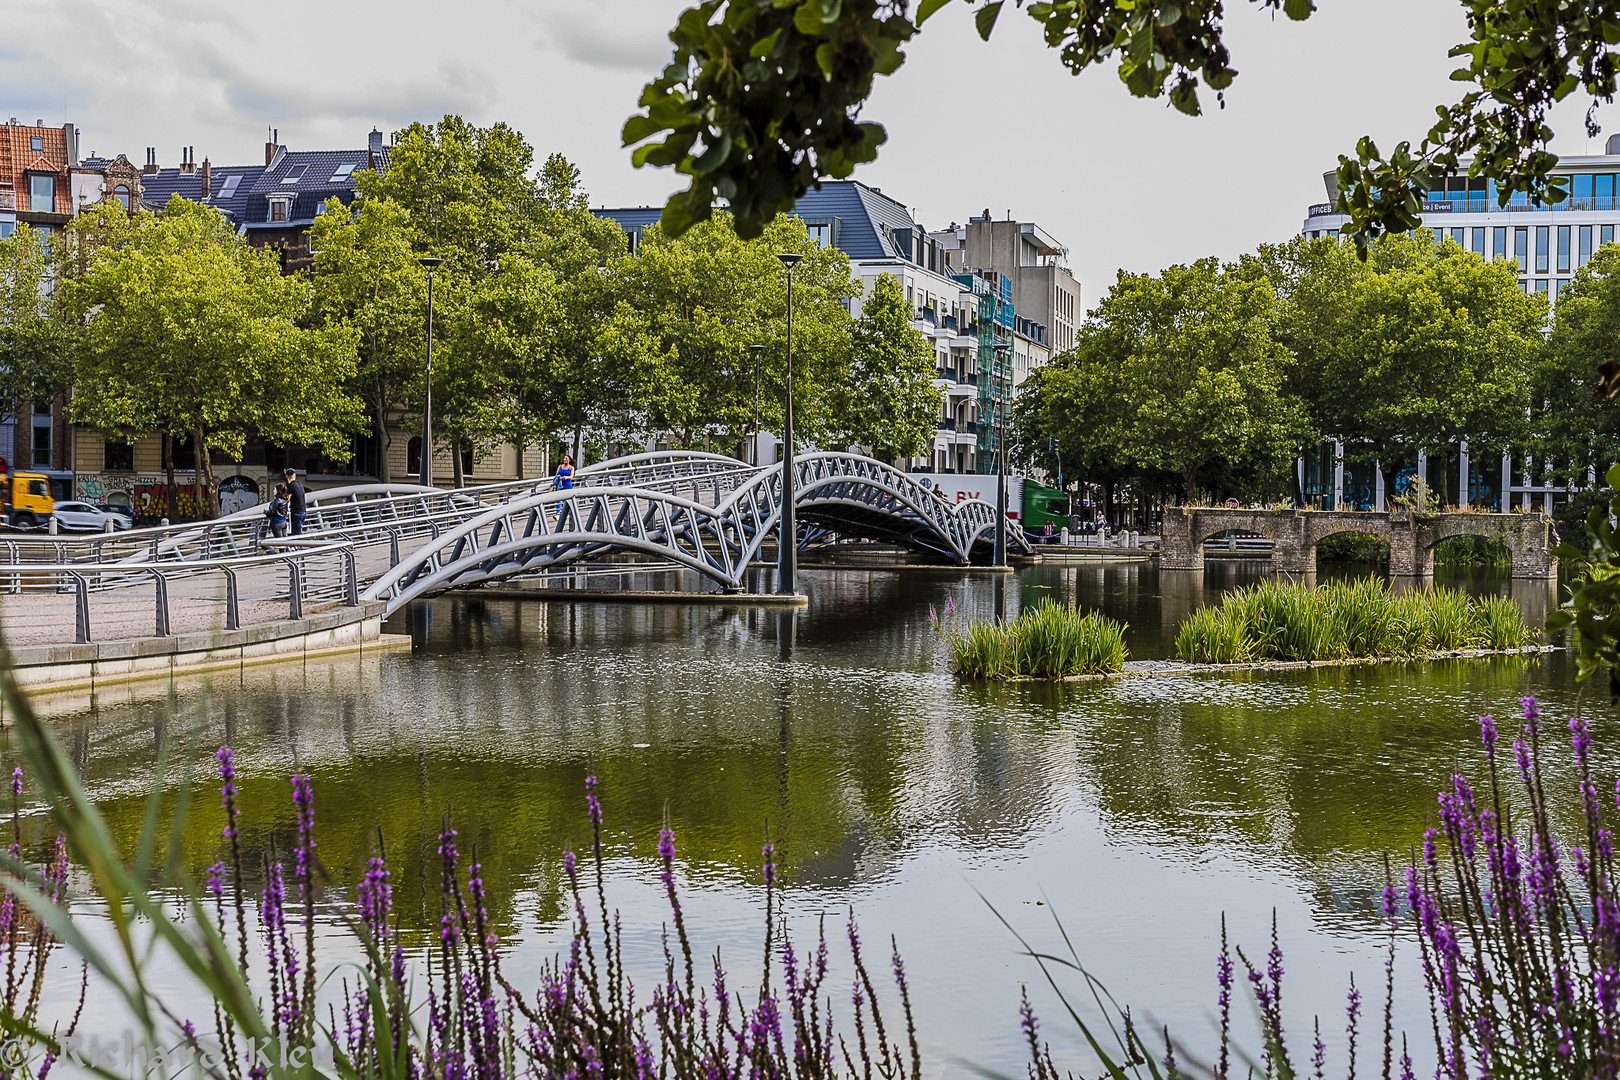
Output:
[[564, 481], [295, 496]]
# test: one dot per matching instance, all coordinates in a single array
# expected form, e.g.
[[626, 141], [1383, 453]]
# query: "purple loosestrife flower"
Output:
[[1318, 1051], [593, 803], [16, 782], [1532, 710], [227, 788], [1581, 738], [1487, 734]]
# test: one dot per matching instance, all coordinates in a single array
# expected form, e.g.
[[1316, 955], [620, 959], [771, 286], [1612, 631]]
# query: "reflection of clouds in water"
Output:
[[1146, 805]]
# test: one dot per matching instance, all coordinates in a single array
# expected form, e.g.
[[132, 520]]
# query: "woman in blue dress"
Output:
[[565, 474]]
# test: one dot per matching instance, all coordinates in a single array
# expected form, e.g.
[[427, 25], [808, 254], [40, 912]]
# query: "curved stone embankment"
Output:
[[1184, 667]]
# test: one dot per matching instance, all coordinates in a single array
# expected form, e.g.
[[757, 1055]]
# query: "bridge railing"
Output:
[[61, 603]]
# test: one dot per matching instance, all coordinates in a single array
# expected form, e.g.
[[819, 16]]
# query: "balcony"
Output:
[[1585, 203], [8, 200]]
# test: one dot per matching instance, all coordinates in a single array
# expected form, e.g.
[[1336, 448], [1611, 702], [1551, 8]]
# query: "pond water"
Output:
[[1136, 810]]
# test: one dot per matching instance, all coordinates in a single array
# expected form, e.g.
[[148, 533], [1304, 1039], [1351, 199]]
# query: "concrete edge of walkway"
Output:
[[41, 668], [632, 596]]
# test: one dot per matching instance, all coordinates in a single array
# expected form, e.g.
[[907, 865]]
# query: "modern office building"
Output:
[[1547, 244]]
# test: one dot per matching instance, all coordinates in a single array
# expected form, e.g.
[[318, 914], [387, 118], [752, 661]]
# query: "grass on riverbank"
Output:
[[1285, 620], [1048, 641]]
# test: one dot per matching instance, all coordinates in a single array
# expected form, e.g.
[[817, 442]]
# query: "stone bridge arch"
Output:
[[1411, 537]]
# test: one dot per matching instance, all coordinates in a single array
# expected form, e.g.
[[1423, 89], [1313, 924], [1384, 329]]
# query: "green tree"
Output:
[[1576, 426], [760, 99], [890, 400], [1172, 372], [701, 300], [196, 334], [468, 198], [367, 277], [1412, 350], [38, 336]]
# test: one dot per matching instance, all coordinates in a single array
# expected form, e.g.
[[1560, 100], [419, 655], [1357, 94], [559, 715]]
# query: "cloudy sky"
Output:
[[1124, 183]]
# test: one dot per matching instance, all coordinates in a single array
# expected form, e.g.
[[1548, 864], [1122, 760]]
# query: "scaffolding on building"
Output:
[[994, 293]]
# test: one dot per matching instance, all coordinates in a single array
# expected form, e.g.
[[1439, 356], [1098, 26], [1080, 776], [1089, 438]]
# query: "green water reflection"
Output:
[[884, 784]]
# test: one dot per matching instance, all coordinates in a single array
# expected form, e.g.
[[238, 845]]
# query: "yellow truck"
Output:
[[26, 499]]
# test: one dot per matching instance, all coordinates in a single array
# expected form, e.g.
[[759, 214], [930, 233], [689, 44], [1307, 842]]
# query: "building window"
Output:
[[1479, 241], [1552, 290], [1439, 237], [1499, 242], [118, 456], [36, 142], [121, 193], [1521, 247], [1459, 236], [1605, 235], [1541, 249], [1603, 192], [5, 228], [1541, 285], [1563, 249], [1585, 250], [294, 174], [280, 209], [42, 194], [42, 448], [413, 455]]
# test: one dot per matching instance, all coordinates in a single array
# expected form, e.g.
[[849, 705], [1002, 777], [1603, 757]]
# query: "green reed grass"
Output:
[[1048, 641], [1286, 620]]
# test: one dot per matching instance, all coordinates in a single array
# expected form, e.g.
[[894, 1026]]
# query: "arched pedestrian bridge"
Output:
[[1411, 537], [392, 543]]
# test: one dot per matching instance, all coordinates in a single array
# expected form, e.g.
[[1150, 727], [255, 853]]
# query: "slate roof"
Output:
[[158, 187], [315, 171], [860, 211]]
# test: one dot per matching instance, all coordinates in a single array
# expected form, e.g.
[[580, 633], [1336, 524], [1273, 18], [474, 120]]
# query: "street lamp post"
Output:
[[425, 459], [753, 453], [787, 560], [1000, 557]]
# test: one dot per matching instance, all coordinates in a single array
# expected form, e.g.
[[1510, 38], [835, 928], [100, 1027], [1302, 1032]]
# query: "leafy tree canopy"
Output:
[[1173, 371], [761, 98], [199, 335]]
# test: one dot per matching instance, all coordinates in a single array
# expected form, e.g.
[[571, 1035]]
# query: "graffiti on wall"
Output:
[[146, 495]]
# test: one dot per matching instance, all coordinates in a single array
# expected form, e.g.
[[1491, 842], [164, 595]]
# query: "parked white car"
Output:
[[82, 517]]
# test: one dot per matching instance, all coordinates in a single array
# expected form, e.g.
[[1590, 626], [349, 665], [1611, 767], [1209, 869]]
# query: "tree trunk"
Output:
[[455, 462], [521, 446], [1293, 476], [206, 494], [384, 441], [579, 439], [173, 510], [1189, 476]]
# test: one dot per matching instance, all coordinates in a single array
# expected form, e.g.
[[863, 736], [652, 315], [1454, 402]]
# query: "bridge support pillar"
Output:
[[1531, 540], [1411, 547], [1178, 548]]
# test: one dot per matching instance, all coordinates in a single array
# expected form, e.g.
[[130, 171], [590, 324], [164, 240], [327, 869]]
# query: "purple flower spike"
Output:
[[1487, 733], [16, 781]]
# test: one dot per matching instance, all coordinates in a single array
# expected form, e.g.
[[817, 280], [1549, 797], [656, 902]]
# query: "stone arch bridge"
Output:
[[1411, 537]]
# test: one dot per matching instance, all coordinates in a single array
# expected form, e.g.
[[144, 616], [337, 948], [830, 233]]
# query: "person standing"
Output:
[[564, 481], [276, 512], [295, 499]]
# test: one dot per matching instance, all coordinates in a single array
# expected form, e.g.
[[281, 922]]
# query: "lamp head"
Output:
[[757, 350], [430, 262], [789, 258]]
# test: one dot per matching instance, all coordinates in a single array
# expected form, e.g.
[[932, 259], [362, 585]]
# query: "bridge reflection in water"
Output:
[[1141, 808]]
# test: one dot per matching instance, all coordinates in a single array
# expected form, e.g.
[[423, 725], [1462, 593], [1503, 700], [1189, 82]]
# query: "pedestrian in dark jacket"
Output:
[[295, 498]]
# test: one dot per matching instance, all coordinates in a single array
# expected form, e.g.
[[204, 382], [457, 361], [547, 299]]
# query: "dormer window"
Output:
[[281, 208], [121, 193]]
